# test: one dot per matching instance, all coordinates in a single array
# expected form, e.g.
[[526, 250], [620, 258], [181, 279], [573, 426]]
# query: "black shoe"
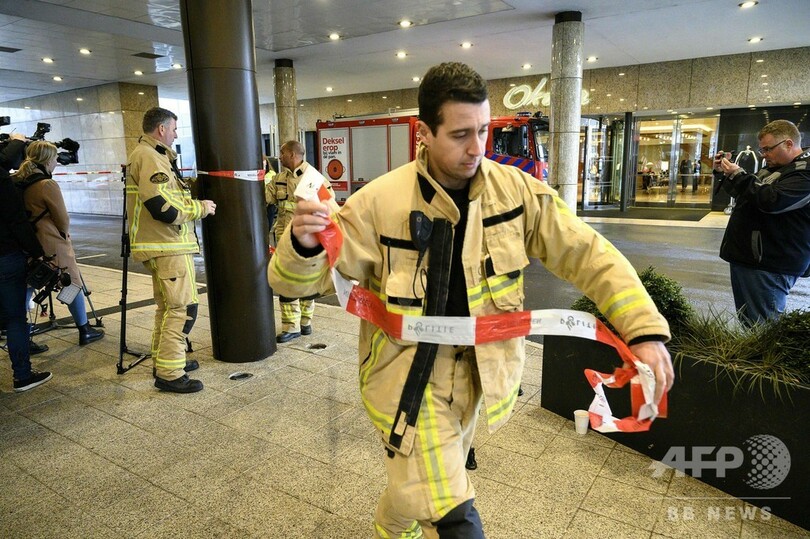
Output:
[[184, 384], [287, 336], [306, 330], [88, 334], [471, 463], [191, 365], [520, 391], [34, 348], [36, 379]]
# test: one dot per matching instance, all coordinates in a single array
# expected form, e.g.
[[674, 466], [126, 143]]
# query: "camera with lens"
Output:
[[70, 148], [46, 277]]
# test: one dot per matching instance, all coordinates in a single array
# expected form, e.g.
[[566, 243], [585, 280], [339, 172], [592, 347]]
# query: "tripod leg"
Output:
[[86, 292]]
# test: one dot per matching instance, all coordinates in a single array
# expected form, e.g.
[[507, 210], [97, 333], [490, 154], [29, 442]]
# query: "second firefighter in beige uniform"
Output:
[[296, 314]]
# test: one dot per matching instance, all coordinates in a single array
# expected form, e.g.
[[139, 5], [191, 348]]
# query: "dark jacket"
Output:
[[16, 233], [769, 228], [12, 155]]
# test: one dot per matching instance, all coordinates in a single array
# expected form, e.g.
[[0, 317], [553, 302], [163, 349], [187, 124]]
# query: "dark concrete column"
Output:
[[286, 97], [566, 104], [218, 36]]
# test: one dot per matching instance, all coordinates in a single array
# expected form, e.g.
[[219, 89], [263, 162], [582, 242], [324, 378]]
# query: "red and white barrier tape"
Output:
[[484, 329], [252, 175]]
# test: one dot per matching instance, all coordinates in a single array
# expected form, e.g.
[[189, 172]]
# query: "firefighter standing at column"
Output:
[[296, 314], [162, 236], [487, 220]]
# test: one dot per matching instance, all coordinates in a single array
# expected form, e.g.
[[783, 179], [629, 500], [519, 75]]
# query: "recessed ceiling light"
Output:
[[329, 88], [466, 45], [526, 66], [385, 97], [645, 108], [79, 99], [405, 23], [763, 76], [764, 83], [57, 78], [177, 66], [47, 60], [621, 74], [760, 60], [112, 112], [609, 95], [140, 93], [746, 5], [755, 39], [511, 84], [709, 108], [402, 54], [348, 100], [84, 51], [334, 36], [797, 103], [138, 72], [592, 59], [621, 99], [415, 79], [593, 89], [27, 107]]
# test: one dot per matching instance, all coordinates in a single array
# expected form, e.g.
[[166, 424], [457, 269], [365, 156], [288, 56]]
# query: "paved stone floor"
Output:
[[289, 453]]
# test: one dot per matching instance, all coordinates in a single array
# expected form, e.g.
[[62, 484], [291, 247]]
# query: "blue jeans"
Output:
[[759, 295], [13, 312], [76, 307]]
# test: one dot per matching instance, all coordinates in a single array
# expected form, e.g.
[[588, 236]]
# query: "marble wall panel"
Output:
[[781, 77], [720, 81], [664, 85], [613, 90]]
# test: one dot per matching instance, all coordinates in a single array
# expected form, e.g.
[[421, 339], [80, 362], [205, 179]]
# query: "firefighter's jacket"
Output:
[[512, 217], [281, 192], [160, 209]]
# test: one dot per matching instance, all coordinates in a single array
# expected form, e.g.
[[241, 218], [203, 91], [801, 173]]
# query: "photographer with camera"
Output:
[[12, 152], [47, 211], [17, 244]]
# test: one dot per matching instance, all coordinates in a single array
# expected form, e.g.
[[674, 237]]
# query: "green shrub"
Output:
[[666, 293]]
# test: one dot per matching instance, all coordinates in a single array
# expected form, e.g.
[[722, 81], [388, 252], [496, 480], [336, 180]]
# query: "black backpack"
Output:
[[22, 185]]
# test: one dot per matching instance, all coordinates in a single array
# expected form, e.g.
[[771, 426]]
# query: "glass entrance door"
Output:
[[601, 146]]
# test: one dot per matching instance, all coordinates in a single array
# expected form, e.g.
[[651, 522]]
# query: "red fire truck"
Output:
[[354, 151]]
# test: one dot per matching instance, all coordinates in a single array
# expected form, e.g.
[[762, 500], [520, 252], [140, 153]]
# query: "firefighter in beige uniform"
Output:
[[296, 314], [499, 217], [162, 214]]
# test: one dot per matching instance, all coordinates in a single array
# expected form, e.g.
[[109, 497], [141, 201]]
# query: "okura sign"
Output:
[[523, 96]]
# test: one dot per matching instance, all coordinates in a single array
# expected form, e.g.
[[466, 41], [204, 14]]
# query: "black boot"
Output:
[[471, 463], [88, 334]]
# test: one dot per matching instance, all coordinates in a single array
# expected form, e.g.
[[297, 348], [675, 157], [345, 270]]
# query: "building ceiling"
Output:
[[505, 35]]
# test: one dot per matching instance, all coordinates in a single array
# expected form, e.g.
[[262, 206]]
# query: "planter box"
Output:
[[704, 411]]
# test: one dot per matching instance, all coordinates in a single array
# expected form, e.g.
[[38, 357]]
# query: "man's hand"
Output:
[[209, 208], [656, 356], [728, 167], [310, 218]]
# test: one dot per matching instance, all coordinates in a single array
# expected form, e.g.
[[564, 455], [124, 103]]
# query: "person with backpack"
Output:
[[47, 212]]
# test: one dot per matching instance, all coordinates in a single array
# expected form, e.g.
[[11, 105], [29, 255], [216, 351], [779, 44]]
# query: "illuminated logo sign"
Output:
[[522, 97]]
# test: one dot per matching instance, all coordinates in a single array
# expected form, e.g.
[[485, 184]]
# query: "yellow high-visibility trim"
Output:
[[435, 468], [502, 408], [382, 421], [192, 274], [414, 531], [295, 277], [146, 246], [622, 302]]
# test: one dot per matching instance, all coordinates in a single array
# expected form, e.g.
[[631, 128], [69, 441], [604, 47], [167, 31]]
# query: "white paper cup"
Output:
[[581, 421]]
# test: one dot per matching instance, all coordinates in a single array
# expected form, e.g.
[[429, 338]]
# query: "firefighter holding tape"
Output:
[[450, 234]]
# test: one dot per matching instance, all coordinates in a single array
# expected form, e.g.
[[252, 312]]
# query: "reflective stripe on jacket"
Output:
[[280, 191]]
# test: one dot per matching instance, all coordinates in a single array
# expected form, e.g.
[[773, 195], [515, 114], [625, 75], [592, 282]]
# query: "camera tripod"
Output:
[[125, 251], [53, 324]]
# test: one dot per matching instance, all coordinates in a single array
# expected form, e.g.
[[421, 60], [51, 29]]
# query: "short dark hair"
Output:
[[294, 146], [450, 81], [156, 116]]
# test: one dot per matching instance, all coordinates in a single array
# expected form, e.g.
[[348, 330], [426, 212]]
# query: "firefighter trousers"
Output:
[[426, 485], [175, 290], [295, 313]]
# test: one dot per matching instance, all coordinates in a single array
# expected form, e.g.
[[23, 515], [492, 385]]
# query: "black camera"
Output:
[[46, 277], [69, 155]]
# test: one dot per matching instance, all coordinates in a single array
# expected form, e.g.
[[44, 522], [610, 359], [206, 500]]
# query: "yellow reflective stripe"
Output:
[[160, 362], [562, 207], [132, 189], [381, 531], [289, 313], [307, 308], [383, 422], [502, 408], [286, 205], [414, 531], [296, 277], [433, 456], [148, 246], [410, 310], [477, 295], [192, 274], [624, 301]]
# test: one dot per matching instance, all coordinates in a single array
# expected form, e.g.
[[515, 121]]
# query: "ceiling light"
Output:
[[760, 61], [526, 66], [755, 39], [27, 107], [763, 76], [797, 103], [511, 84], [621, 74], [138, 72], [415, 79], [385, 97], [746, 5], [405, 23], [140, 93], [328, 88], [47, 60], [621, 99], [609, 95], [84, 51], [348, 100], [334, 36], [592, 59], [57, 78], [177, 66], [466, 45], [764, 83], [402, 54], [79, 99]]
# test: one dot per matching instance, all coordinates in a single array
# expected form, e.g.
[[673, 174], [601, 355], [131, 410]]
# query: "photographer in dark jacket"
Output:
[[17, 244], [13, 153], [767, 241]]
